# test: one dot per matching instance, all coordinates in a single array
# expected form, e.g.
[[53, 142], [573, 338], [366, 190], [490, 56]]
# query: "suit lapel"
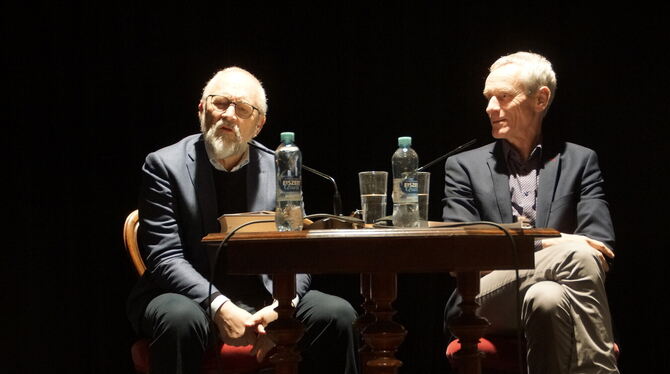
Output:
[[500, 181], [551, 162], [200, 172]]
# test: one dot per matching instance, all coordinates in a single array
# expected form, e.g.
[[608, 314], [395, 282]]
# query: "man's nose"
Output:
[[229, 112], [493, 105]]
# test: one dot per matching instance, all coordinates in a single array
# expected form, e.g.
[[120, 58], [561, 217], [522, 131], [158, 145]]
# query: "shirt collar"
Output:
[[511, 155], [243, 161]]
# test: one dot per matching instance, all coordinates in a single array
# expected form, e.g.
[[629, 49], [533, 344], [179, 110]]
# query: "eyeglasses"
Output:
[[242, 109]]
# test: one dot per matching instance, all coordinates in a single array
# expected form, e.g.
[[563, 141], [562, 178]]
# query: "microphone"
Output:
[[337, 199], [460, 147]]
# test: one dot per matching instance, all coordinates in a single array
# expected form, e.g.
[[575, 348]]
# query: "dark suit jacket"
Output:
[[570, 192], [177, 208]]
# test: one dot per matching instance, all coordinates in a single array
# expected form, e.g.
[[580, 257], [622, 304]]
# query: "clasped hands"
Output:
[[237, 327]]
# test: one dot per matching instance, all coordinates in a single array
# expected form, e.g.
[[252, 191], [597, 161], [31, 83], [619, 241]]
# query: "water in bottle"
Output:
[[405, 161], [288, 162]]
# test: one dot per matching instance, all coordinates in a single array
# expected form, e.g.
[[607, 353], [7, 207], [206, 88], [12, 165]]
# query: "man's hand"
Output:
[[231, 321], [262, 318], [602, 249], [257, 323]]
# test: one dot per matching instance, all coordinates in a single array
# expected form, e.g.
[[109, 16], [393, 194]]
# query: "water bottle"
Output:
[[405, 161], [288, 162]]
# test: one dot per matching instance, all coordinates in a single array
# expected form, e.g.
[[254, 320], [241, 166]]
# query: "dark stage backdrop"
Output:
[[89, 90]]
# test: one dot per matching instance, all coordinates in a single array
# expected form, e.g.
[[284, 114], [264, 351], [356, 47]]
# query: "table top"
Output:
[[398, 250]]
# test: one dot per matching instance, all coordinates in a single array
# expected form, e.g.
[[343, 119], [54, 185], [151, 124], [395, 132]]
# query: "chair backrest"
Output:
[[130, 241]]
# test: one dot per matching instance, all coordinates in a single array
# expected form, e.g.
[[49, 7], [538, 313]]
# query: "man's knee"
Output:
[[176, 314], [329, 309], [544, 303], [580, 258], [334, 308], [588, 257]]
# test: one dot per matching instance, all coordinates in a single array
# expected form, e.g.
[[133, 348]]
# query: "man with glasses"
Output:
[[524, 176], [185, 188]]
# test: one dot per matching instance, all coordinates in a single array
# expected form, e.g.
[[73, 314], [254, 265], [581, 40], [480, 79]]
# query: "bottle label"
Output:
[[409, 185], [405, 190], [289, 184]]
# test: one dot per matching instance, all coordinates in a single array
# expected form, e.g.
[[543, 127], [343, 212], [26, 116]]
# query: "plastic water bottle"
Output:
[[405, 161], [288, 162]]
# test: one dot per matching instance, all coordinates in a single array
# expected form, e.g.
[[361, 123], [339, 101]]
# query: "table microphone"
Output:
[[460, 147], [337, 199]]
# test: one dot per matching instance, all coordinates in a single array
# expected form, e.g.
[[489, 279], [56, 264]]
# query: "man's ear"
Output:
[[542, 98], [259, 125], [200, 107]]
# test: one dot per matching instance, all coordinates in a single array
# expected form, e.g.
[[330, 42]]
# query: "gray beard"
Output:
[[222, 147]]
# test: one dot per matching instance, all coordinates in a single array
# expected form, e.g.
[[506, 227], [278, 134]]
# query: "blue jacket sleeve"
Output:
[[160, 236], [593, 214]]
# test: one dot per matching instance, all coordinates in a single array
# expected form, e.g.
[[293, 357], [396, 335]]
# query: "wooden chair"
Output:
[[225, 359]]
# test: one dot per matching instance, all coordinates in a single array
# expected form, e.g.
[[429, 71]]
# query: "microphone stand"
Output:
[[337, 199], [426, 166]]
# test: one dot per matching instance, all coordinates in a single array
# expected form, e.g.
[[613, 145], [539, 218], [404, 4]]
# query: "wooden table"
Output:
[[378, 255]]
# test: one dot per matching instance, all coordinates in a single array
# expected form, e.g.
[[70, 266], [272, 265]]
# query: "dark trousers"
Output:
[[180, 332]]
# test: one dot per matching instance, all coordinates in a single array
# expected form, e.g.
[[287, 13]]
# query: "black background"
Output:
[[91, 89]]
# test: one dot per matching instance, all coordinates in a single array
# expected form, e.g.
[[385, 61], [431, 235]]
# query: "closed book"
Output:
[[266, 222]]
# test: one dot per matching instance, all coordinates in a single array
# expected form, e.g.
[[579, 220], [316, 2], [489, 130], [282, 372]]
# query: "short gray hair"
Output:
[[260, 93], [536, 71]]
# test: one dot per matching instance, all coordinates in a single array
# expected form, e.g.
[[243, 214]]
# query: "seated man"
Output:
[[185, 188], [565, 315]]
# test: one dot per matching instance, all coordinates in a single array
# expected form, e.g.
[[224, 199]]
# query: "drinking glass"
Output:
[[373, 194]]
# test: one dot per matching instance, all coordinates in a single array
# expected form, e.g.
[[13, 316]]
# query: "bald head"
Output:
[[235, 76]]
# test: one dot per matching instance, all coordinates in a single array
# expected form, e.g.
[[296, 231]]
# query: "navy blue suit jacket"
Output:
[[570, 196], [177, 208]]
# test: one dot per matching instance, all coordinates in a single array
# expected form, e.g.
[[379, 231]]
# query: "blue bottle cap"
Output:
[[287, 137], [405, 141]]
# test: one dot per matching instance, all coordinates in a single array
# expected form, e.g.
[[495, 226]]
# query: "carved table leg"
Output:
[[286, 331], [364, 352], [384, 336], [469, 326]]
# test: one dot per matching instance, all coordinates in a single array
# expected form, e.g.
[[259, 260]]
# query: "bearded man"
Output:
[[185, 188]]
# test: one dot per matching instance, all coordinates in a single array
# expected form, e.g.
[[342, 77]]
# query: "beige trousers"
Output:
[[564, 311]]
